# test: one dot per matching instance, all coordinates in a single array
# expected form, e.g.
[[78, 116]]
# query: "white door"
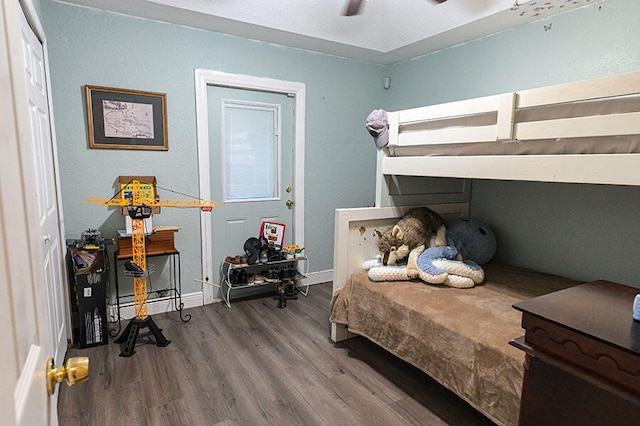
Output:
[[29, 336], [47, 190], [214, 237], [251, 159]]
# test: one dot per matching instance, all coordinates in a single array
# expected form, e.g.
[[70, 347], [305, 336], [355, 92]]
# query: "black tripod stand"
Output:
[[131, 331]]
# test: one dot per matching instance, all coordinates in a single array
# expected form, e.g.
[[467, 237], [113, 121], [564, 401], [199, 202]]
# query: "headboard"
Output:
[[355, 239]]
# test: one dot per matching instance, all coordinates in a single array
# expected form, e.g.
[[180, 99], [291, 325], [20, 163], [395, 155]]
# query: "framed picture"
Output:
[[126, 119], [273, 232]]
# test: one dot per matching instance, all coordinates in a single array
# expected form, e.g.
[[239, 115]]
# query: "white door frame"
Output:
[[205, 78]]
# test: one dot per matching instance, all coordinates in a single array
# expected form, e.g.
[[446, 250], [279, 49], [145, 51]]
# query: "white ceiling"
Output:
[[385, 32]]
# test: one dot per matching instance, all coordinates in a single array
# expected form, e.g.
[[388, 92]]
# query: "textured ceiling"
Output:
[[386, 31]]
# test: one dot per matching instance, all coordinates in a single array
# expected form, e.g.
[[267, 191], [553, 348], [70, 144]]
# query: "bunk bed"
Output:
[[582, 132]]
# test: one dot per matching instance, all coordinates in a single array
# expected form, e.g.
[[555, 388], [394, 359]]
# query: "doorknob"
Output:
[[289, 203], [75, 371]]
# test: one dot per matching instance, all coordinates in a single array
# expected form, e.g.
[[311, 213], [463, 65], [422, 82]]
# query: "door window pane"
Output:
[[251, 151]]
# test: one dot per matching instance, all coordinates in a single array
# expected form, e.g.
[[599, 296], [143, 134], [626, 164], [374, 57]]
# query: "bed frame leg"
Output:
[[339, 333]]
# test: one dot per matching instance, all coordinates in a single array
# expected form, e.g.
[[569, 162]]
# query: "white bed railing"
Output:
[[601, 111], [447, 123]]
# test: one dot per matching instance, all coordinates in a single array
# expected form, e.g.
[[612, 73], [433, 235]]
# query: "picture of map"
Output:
[[127, 120]]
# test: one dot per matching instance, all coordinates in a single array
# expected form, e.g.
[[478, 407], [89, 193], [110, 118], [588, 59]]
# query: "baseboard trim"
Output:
[[319, 277], [192, 300]]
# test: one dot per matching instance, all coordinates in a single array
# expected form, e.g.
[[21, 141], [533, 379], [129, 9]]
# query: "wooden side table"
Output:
[[158, 243], [582, 363]]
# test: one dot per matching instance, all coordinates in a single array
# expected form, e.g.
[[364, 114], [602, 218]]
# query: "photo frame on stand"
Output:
[[273, 232]]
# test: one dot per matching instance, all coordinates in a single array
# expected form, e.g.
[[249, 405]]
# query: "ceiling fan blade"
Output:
[[353, 7]]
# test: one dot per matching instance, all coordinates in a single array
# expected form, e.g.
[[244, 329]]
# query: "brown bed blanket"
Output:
[[460, 337]]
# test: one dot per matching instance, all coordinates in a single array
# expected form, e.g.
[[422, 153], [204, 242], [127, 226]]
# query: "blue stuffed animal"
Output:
[[473, 238], [438, 261]]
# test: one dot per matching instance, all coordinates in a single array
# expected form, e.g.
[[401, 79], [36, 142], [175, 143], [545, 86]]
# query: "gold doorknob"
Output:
[[289, 203], [75, 371]]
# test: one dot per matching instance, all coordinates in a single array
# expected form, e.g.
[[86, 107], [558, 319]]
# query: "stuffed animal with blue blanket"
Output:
[[445, 264]]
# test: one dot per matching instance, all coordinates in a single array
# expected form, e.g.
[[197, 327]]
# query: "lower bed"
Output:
[[458, 337]]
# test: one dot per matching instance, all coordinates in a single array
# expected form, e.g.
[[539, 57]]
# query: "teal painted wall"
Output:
[[582, 231], [87, 46], [585, 43]]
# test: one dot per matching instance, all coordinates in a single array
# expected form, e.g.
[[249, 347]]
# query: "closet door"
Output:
[[47, 192]]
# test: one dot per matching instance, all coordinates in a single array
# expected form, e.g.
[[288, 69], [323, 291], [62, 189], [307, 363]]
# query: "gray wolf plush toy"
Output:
[[413, 231]]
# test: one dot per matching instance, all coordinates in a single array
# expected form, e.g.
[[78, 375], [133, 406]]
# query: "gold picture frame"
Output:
[[126, 119]]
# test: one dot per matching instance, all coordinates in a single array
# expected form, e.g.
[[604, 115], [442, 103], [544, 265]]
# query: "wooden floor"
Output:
[[256, 364]]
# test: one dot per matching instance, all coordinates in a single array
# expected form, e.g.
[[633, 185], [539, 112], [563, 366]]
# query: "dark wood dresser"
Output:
[[582, 364]]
